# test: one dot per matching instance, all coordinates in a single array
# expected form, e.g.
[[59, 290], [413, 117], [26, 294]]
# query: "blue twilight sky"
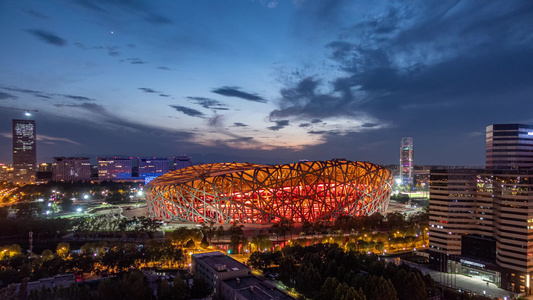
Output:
[[265, 81]]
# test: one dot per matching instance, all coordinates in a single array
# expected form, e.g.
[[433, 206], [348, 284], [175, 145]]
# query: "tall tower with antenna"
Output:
[[406, 161]]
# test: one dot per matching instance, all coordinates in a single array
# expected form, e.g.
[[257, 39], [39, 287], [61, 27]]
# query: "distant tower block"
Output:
[[181, 162], [509, 146], [406, 161]]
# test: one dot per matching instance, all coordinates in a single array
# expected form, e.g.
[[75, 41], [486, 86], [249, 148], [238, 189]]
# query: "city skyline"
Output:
[[265, 81]]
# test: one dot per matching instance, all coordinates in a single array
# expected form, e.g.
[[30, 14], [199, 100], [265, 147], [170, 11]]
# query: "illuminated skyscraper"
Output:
[[509, 146], [406, 161], [24, 152]]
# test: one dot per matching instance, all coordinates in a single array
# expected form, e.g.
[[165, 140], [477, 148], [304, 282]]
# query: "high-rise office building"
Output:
[[114, 168], [181, 162], [71, 169], [153, 166], [24, 151], [406, 161], [509, 146], [481, 225]]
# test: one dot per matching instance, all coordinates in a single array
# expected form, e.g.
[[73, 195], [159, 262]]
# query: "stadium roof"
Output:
[[201, 172]]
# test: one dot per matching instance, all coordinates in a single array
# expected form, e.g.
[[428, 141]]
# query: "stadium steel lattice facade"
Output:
[[249, 193]]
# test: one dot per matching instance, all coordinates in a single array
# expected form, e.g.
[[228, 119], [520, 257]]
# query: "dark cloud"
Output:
[[209, 103], [158, 19], [7, 96], [382, 24], [239, 124], [36, 14], [134, 61], [305, 101], [430, 64], [343, 51], [45, 95], [304, 125], [240, 139], [419, 66], [152, 91], [216, 121], [80, 45], [314, 121], [78, 98], [164, 68], [317, 132], [47, 37], [91, 107], [149, 90], [115, 125], [15, 89], [188, 111], [26, 91], [324, 132], [113, 51], [279, 125], [236, 92], [136, 8]]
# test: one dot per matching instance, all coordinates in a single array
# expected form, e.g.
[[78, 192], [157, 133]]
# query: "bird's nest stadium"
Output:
[[224, 193]]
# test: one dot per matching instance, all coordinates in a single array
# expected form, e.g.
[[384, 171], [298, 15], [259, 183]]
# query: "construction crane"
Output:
[[27, 111]]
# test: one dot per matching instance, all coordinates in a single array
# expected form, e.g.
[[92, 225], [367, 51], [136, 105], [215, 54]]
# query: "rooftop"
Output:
[[199, 172], [256, 289], [220, 262]]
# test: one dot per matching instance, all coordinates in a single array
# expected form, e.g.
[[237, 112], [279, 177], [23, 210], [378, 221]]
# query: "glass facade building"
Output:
[[509, 146], [152, 167], [180, 162], [24, 151], [481, 224], [406, 161]]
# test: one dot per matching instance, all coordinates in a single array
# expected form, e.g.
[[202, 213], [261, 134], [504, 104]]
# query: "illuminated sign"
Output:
[[530, 133], [471, 263]]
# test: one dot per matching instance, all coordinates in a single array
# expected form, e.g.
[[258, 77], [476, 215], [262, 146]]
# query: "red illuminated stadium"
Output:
[[249, 193]]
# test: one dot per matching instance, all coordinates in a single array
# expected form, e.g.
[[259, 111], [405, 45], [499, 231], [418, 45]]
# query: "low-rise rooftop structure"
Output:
[[248, 288], [216, 267]]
